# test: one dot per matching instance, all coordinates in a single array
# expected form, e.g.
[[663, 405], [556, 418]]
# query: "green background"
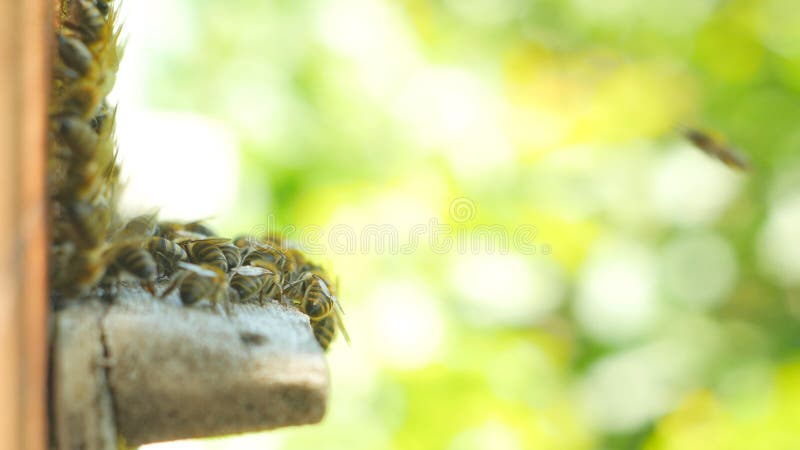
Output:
[[660, 309]]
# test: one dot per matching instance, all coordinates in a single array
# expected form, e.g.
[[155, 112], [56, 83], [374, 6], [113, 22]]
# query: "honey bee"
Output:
[[74, 54], [263, 255], [91, 20], [140, 226], [248, 281], [295, 260], [324, 331], [244, 241], [318, 302], [183, 231], [273, 285], [166, 253], [198, 282], [82, 170], [93, 270], [131, 258], [232, 254], [102, 6], [79, 136], [102, 116], [275, 239], [200, 228], [207, 251], [80, 99], [716, 149], [88, 222]]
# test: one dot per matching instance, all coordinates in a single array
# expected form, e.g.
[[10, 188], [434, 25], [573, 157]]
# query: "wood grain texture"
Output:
[[24, 79], [175, 372]]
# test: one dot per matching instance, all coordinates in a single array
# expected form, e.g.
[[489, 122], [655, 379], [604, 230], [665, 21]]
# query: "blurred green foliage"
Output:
[[661, 309]]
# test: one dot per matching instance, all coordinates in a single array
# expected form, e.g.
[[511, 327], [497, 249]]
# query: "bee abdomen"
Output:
[[199, 228], [166, 253], [193, 289], [138, 262], [243, 241], [79, 136], [246, 287], [208, 254], [324, 330], [74, 54], [166, 247], [232, 254], [315, 303]]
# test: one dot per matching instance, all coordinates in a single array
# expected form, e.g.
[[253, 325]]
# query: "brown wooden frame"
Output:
[[25, 29]]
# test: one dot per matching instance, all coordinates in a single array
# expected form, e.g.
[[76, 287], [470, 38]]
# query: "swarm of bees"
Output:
[[82, 169], [202, 266], [93, 250]]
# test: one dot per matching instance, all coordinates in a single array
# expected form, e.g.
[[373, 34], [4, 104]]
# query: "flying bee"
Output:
[[324, 331], [198, 282], [207, 251], [248, 281], [166, 253], [717, 149], [131, 258]]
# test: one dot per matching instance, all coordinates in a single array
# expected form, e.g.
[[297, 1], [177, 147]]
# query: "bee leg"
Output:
[[226, 305], [149, 286], [218, 296], [175, 283]]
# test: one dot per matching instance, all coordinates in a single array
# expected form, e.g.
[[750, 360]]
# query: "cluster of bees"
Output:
[[82, 170], [202, 266], [93, 250]]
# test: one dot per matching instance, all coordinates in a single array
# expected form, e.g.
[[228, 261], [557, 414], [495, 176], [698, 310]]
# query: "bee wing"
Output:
[[202, 221], [733, 158], [202, 271], [212, 241], [264, 247], [251, 271], [323, 285], [340, 325]]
